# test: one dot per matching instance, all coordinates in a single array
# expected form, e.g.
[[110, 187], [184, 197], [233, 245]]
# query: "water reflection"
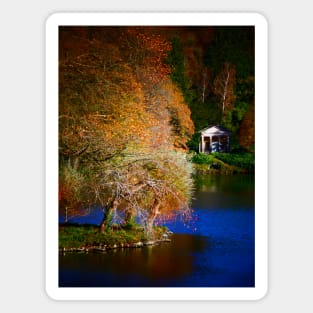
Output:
[[144, 267], [215, 249], [218, 192]]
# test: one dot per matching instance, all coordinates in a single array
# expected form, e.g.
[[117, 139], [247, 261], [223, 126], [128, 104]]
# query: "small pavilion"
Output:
[[214, 139]]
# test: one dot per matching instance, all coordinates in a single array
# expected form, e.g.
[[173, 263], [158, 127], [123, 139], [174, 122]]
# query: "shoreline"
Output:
[[86, 238], [223, 163], [105, 248], [205, 169]]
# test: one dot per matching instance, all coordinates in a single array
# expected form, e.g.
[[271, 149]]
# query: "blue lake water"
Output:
[[216, 248]]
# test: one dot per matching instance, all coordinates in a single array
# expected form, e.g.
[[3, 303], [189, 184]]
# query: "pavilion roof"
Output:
[[216, 130]]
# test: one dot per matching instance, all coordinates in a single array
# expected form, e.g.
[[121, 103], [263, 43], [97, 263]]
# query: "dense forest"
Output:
[[131, 103], [214, 69]]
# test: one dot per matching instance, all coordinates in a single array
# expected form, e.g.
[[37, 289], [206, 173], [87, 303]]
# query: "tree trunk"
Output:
[[150, 220], [107, 214]]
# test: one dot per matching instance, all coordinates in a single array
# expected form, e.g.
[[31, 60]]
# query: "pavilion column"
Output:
[[211, 144], [202, 143], [228, 148]]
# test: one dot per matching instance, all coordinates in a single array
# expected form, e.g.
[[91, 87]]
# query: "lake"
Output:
[[216, 248]]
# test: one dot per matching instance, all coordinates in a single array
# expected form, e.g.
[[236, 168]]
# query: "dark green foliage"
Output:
[[233, 118], [241, 160], [176, 61], [130, 223], [245, 89], [204, 114], [193, 143], [203, 158], [234, 45]]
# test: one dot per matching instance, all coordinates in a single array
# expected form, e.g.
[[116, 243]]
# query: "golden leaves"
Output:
[[119, 109]]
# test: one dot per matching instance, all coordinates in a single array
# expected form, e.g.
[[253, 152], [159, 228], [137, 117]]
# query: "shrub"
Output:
[[203, 158], [242, 160]]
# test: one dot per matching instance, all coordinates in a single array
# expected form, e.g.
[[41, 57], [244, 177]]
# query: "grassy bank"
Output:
[[223, 163], [86, 236]]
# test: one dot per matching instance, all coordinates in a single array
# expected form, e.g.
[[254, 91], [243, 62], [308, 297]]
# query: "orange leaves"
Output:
[[144, 38], [114, 92], [172, 114], [121, 120], [146, 52]]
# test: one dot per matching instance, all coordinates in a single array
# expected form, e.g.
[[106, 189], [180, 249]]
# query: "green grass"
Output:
[[203, 158], [242, 160], [229, 162], [76, 236]]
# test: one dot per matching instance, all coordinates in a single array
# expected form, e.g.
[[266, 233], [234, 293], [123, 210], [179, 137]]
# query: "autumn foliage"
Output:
[[123, 125]]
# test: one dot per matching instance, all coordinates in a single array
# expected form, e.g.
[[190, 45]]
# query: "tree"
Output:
[[246, 134], [182, 127], [169, 179], [234, 45], [147, 185], [224, 84], [176, 60], [205, 84], [120, 122], [146, 52], [101, 114], [71, 187]]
